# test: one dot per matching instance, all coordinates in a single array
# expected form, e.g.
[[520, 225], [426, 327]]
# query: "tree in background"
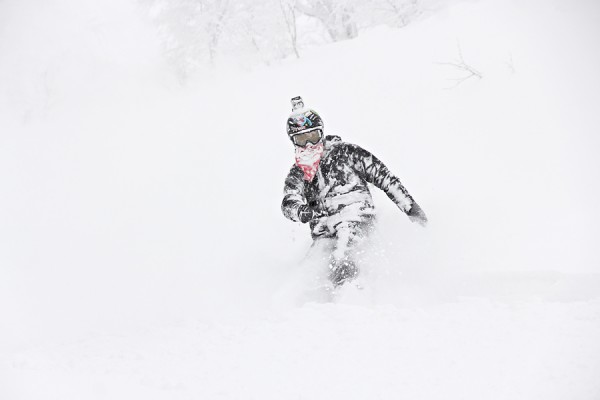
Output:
[[209, 33], [397, 13], [288, 10], [337, 17], [191, 30]]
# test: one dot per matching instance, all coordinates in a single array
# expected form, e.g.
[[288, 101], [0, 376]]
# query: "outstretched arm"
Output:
[[375, 172]]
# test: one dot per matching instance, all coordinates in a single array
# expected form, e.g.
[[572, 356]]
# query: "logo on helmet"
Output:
[[302, 120]]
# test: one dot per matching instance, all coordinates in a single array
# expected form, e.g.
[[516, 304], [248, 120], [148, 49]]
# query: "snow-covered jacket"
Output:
[[339, 191]]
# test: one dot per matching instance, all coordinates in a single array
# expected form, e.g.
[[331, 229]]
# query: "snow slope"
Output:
[[143, 253]]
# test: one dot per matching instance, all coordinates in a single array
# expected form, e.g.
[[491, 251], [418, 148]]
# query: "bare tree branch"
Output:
[[463, 66]]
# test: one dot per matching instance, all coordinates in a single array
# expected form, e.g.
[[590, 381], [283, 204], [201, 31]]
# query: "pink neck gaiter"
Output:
[[308, 159]]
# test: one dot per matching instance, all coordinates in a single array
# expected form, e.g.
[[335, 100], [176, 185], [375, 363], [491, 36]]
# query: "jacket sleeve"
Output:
[[375, 172], [293, 194]]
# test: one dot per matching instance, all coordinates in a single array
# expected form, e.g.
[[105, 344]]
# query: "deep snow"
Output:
[[143, 252]]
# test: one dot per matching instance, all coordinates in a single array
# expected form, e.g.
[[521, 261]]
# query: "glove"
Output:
[[416, 214], [307, 213]]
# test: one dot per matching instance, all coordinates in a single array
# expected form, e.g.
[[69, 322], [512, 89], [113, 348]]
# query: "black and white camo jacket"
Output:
[[339, 192]]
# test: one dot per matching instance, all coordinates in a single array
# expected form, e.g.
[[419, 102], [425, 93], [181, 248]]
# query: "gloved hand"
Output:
[[416, 214], [307, 213]]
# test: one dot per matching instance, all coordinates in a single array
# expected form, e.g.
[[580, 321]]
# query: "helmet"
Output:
[[305, 120], [302, 119]]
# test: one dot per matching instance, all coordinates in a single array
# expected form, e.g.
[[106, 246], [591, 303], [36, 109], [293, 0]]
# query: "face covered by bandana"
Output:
[[308, 159]]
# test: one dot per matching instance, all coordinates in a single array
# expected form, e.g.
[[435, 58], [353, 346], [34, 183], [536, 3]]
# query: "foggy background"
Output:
[[143, 153]]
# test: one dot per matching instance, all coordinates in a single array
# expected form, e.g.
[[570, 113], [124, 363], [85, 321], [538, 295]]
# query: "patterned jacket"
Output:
[[339, 192]]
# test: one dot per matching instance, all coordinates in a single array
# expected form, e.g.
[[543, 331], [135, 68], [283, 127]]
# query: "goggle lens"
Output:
[[302, 139]]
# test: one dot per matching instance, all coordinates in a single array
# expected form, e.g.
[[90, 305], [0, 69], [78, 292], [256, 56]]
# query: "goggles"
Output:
[[303, 138]]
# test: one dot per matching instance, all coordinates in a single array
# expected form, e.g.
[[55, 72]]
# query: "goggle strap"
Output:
[[306, 131]]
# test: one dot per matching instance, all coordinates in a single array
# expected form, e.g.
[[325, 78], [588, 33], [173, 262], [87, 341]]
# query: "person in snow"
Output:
[[327, 188]]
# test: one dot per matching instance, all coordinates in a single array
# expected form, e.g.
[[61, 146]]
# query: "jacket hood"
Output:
[[330, 141]]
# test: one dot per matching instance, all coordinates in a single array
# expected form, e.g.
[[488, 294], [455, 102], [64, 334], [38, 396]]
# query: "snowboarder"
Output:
[[327, 188]]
